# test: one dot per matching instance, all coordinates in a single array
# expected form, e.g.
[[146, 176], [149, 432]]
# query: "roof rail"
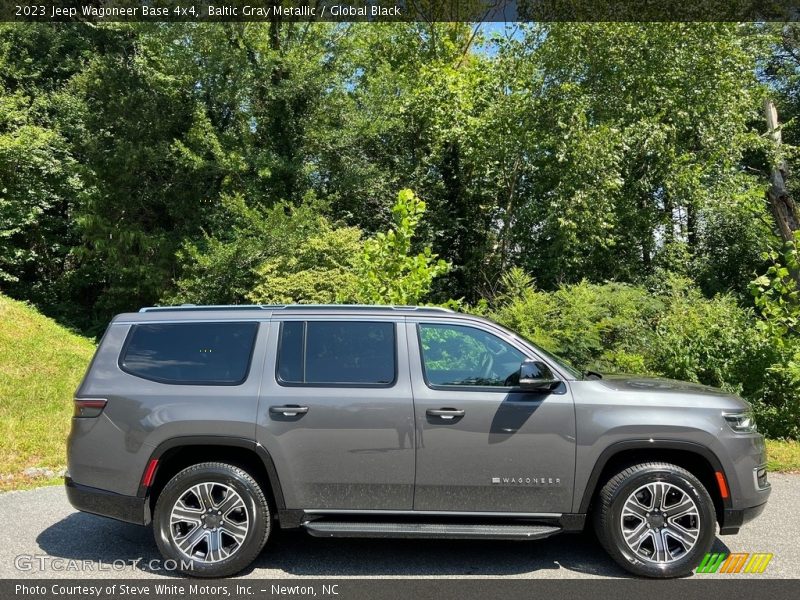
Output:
[[191, 307], [209, 307], [363, 307]]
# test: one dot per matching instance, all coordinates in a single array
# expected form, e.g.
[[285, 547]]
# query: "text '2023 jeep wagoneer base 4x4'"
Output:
[[218, 424]]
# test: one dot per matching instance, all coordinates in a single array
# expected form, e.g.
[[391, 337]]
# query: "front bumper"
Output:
[[734, 518], [130, 509], [745, 470]]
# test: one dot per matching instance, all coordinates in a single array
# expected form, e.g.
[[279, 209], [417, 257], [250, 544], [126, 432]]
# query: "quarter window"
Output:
[[455, 355], [190, 353], [337, 353]]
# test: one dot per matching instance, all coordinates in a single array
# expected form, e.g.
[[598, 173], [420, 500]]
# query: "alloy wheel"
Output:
[[660, 522], [209, 522]]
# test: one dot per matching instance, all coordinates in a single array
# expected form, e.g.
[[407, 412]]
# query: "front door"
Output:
[[482, 444], [336, 414]]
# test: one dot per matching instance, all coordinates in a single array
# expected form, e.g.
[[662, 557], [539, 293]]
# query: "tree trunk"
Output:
[[783, 207]]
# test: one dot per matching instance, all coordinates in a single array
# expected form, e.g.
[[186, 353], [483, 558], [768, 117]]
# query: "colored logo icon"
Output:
[[737, 562]]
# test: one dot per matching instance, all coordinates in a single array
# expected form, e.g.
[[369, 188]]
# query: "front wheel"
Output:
[[655, 520], [212, 519]]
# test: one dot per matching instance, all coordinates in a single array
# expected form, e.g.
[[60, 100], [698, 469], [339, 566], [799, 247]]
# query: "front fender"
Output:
[[592, 479]]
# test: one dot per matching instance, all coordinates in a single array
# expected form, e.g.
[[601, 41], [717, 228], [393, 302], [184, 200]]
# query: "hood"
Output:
[[637, 383]]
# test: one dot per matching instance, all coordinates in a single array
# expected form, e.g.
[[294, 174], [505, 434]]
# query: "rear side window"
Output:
[[190, 353], [337, 353]]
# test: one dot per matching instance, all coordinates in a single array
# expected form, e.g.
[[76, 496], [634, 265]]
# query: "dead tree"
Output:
[[783, 207]]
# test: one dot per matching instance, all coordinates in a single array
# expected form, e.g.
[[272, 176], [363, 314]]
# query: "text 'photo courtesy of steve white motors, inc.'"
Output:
[[175, 590]]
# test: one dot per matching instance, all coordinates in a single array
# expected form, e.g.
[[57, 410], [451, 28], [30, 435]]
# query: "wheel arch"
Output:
[[175, 454], [695, 458]]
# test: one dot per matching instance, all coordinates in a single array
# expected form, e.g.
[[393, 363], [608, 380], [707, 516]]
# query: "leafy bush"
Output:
[[777, 297], [293, 254], [389, 272], [712, 341], [602, 327], [777, 294], [222, 268], [778, 409], [319, 272], [669, 329]]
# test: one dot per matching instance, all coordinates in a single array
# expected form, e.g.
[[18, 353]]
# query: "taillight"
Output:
[[89, 407]]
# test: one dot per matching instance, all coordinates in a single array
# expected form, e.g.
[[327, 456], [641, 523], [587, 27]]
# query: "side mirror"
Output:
[[535, 376]]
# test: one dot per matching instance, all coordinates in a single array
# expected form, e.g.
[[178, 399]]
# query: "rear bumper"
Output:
[[734, 518], [130, 509]]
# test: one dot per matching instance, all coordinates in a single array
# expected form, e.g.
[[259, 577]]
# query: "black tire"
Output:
[[609, 524], [255, 509]]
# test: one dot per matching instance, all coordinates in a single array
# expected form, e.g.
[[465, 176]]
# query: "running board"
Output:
[[428, 530]]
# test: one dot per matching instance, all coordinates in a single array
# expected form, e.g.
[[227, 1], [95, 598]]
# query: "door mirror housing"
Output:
[[535, 376]]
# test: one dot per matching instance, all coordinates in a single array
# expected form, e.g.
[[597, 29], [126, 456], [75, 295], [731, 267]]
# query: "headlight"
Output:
[[741, 422]]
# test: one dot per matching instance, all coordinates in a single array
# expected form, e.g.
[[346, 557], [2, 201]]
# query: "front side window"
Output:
[[456, 355], [337, 353], [190, 353]]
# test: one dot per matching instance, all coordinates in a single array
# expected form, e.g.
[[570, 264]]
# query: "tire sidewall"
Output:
[[705, 507], [257, 515]]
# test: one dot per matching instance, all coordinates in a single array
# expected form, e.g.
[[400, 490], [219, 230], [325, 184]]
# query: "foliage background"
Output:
[[599, 187]]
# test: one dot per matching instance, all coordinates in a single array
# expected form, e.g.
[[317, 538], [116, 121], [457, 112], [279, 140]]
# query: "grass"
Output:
[[783, 456], [41, 365]]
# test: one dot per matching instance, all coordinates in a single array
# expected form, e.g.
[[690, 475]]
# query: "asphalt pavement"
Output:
[[44, 537]]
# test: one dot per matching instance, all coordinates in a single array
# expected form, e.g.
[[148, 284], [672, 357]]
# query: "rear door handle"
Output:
[[288, 410], [445, 413]]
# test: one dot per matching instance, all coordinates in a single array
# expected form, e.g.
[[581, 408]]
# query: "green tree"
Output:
[[36, 181], [407, 115], [166, 122], [40, 180], [668, 329], [641, 131], [173, 162]]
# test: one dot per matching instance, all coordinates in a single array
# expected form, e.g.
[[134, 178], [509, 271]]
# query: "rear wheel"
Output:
[[655, 520], [212, 519]]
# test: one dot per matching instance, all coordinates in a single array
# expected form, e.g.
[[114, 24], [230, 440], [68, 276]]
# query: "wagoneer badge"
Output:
[[527, 480]]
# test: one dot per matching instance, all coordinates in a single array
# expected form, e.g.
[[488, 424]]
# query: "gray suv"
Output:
[[217, 424]]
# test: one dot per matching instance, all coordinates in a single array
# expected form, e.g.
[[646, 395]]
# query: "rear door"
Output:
[[482, 444], [336, 413]]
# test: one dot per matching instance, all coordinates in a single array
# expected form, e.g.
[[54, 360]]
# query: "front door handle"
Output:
[[288, 411], [445, 413]]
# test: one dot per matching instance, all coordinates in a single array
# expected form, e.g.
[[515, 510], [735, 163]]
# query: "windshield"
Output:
[[557, 359], [560, 362], [563, 364]]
